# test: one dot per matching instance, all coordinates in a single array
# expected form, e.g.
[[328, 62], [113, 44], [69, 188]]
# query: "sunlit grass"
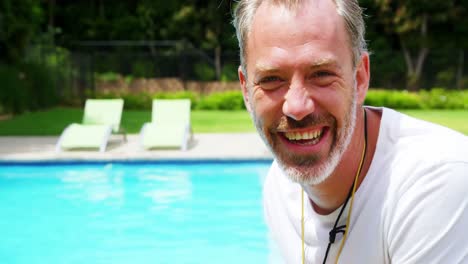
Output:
[[53, 121], [455, 119]]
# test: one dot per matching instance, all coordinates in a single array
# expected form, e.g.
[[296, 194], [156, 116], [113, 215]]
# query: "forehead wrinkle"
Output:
[[264, 67], [323, 62], [326, 62]]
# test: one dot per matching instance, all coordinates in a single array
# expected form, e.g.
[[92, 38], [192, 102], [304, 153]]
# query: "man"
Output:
[[379, 186]]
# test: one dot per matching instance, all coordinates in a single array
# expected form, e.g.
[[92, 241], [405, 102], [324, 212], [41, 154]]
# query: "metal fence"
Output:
[[78, 69]]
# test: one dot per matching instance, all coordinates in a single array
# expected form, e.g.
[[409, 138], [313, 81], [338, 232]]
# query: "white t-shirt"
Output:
[[412, 206]]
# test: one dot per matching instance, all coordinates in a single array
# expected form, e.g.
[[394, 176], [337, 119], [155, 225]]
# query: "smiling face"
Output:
[[300, 86]]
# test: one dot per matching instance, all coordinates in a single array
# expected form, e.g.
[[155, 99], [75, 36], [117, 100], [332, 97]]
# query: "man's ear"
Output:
[[243, 84], [363, 77]]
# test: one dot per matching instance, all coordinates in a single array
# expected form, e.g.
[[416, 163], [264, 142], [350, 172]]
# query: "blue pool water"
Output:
[[133, 213]]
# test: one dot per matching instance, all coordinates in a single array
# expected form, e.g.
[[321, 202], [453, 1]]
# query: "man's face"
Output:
[[300, 87]]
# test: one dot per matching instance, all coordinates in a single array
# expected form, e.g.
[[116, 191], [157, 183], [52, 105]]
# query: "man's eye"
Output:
[[321, 74], [269, 82], [268, 79], [322, 78]]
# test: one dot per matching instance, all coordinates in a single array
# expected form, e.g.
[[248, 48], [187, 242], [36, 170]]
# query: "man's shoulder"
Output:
[[421, 141], [276, 177], [415, 153]]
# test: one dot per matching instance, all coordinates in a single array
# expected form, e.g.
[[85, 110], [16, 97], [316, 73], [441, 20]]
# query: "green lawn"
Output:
[[52, 122], [456, 119]]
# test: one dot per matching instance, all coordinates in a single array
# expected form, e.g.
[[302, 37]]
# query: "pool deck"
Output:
[[232, 146]]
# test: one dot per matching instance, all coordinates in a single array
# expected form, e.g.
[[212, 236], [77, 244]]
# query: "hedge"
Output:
[[230, 100], [436, 98], [33, 95]]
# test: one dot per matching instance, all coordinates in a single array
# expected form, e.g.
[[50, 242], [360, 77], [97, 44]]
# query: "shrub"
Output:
[[231, 100], [180, 95], [446, 77], [404, 100], [393, 99], [107, 76], [135, 101], [143, 69], [26, 87], [204, 72], [138, 101], [229, 73], [376, 98], [13, 94], [439, 98], [436, 98], [144, 100], [43, 90]]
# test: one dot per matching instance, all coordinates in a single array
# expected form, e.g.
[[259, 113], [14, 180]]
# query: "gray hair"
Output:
[[348, 9]]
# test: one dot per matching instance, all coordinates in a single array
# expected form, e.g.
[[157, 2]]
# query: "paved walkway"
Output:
[[205, 146]]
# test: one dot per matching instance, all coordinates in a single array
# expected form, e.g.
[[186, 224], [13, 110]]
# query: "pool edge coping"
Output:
[[13, 162]]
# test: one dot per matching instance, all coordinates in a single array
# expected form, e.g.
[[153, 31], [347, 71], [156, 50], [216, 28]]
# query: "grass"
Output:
[[53, 121], [455, 119]]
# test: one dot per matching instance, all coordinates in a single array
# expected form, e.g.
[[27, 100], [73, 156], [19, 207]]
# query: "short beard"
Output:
[[305, 170]]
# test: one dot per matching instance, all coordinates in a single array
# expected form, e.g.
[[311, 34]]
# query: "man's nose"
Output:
[[298, 103]]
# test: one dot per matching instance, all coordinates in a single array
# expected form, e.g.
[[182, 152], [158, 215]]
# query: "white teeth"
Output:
[[303, 135]]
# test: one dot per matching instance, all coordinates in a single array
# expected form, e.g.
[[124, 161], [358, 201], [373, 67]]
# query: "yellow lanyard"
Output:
[[350, 206]]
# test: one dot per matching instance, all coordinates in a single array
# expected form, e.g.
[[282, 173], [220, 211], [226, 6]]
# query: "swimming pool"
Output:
[[184, 212]]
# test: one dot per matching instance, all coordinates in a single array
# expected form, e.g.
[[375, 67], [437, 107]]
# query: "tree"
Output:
[[206, 24], [460, 33], [411, 21], [19, 22]]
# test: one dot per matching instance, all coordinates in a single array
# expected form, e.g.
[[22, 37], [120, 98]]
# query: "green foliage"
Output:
[[419, 30], [128, 79], [144, 100], [140, 101], [107, 76], [229, 73], [393, 99], [19, 22], [446, 77], [143, 69], [26, 87], [231, 100], [13, 94], [194, 98], [134, 101], [204, 72], [437, 98], [54, 62], [43, 91]]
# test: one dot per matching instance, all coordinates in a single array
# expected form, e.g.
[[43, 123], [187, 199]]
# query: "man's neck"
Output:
[[326, 197]]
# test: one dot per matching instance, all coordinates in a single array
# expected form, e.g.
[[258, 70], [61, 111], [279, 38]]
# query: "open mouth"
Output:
[[307, 137]]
